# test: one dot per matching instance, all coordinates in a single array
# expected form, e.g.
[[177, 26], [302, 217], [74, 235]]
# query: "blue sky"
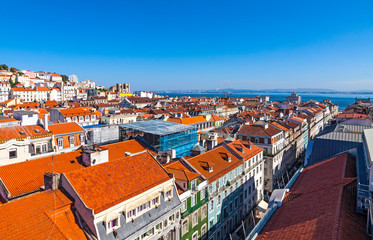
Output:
[[156, 45]]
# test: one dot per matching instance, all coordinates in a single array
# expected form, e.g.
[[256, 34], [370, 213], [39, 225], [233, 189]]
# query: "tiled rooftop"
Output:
[[320, 205], [24, 177], [33, 217], [117, 180]]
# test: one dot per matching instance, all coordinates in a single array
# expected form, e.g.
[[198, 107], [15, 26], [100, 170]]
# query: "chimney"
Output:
[[93, 155], [45, 122], [229, 159], [51, 181]]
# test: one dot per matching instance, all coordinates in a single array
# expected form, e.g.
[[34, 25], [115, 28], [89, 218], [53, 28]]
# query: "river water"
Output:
[[342, 100]]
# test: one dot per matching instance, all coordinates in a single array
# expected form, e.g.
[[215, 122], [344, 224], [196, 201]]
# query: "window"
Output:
[[219, 199], [82, 139], [184, 206], [193, 200], [203, 231], [155, 201], [236, 202], [212, 205], [171, 218], [113, 223], [81, 118], [203, 212], [87, 117], [203, 194], [211, 222], [71, 139], [93, 117], [195, 219], [195, 236], [158, 226], [168, 194], [12, 153], [185, 227], [44, 148], [131, 213], [148, 233], [38, 149], [60, 142], [143, 207], [193, 184]]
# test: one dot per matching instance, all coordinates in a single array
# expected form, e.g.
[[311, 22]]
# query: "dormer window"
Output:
[[131, 213], [169, 194]]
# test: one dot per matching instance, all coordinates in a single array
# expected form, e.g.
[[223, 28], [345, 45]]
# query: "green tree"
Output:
[[3, 67], [13, 70], [20, 73]]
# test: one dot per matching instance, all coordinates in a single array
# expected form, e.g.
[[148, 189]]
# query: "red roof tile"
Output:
[[139, 173], [118, 150], [218, 159], [24, 177], [319, 205], [180, 172], [64, 128], [20, 132], [45, 215]]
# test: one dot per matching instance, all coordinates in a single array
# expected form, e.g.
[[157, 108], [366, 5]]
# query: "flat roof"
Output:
[[158, 127]]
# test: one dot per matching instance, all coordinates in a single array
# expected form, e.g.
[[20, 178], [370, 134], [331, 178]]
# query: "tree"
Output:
[[13, 70], [3, 67], [20, 73], [64, 78]]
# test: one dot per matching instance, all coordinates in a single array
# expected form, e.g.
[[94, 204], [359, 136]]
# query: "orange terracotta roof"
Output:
[[42, 89], [259, 130], [68, 112], [139, 173], [118, 150], [8, 120], [180, 172], [188, 121], [217, 158], [283, 128], [65, 128], [216, 118], [24, 177], [238, 145], [21, 132], [22, 89], [39, 216]]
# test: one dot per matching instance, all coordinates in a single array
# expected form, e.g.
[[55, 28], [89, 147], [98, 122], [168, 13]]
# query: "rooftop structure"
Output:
[[165, 136], [158, 127]]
